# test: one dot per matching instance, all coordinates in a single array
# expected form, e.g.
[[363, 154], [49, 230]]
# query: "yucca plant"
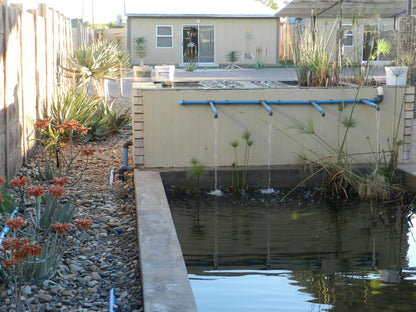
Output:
[[140, 47]]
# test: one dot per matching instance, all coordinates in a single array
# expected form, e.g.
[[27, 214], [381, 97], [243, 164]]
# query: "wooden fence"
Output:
[[33, 45]]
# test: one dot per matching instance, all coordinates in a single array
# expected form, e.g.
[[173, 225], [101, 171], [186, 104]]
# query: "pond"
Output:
[[257, 252]]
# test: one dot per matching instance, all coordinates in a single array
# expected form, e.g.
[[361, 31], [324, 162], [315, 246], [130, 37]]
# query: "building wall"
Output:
[[241, 34], [119, 34], [167, 134]]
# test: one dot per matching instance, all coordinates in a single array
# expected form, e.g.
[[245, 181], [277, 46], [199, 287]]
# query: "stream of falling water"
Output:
[[216, 191], [269, 190], [378, 153]]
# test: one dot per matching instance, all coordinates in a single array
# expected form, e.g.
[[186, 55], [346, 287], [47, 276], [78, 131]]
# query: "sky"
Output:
[[105, 11]]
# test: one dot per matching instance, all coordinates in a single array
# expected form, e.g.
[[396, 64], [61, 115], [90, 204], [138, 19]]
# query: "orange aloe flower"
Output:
[[36, 191], [83, 130], [72, 124], [87, 151], [19, 182], [42, 123], [60, 128], [61, 228], [83, 224], [1, 198], [15, 223], [56, 191], [2, 181], [60, 181]]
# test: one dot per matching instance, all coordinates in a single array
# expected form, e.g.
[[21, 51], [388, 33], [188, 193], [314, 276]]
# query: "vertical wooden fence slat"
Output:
[[33, 45], [3, 108]]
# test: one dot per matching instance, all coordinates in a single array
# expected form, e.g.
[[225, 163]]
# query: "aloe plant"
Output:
[[97, 62]]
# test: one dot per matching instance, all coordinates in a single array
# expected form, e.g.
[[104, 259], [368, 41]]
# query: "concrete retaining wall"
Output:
[[168, 135]]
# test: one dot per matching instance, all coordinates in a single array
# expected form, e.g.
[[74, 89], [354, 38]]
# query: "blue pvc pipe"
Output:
[[318, 108], [111, 300], [372, 104], [265, 104], [6, 229], [267, 107], [214, 109]]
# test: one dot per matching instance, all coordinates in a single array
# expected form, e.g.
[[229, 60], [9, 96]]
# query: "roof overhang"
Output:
[[344, 8], [132, 15]]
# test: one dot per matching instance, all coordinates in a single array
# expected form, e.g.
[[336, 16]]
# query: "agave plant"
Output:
[[97, 62]]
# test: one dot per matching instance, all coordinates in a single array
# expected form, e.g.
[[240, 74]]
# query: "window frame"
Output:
[[164, 36], [347, 35]]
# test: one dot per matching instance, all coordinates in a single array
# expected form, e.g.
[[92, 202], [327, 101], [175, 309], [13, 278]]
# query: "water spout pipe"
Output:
[[314, 104], [372, 104], [214, 109], [6, 229], [267, 107]]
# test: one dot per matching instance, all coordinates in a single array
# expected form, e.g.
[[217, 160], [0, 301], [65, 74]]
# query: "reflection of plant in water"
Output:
[[235, 177]]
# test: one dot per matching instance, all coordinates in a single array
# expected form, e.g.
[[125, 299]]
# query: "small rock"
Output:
[[95, 276], [67, 292], [45, 297]]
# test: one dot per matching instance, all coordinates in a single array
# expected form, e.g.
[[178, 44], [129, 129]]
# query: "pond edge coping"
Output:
[[165, 283]]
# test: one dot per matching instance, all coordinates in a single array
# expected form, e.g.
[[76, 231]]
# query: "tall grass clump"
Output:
[[313, 58]]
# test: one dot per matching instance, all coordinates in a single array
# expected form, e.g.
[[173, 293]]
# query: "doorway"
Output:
[[198, 44]]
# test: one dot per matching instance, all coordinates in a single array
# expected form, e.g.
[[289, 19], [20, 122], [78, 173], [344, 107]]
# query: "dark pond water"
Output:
[[254, 252]]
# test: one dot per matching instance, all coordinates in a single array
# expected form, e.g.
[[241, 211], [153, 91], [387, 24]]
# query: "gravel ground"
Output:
[[101, 258]]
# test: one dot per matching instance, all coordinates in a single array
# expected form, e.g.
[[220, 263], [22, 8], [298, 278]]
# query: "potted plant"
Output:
[[141, 72]]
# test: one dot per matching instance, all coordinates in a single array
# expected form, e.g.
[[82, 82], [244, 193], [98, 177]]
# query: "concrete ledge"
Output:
[[166, 287]]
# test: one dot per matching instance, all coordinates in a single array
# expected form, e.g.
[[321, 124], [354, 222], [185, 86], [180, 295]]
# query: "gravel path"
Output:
[[103, 257]]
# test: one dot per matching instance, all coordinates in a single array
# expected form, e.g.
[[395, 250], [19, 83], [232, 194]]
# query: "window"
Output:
[[346, 36], [374, 36], [164, 37]]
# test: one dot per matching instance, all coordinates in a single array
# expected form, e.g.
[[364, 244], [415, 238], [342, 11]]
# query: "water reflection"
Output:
[[299, 255]]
